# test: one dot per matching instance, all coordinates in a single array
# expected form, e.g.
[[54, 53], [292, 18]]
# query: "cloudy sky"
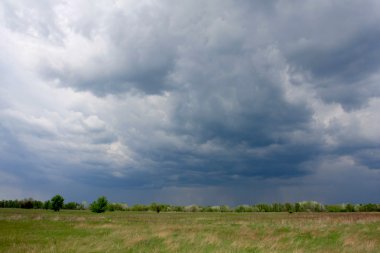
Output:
[[205, 102]]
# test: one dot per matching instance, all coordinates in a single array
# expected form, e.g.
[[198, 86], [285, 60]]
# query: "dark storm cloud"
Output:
[[368, 157], [193, 97], [11, 148], [129, 53], [18, 166], [340, 70], [349, 61]]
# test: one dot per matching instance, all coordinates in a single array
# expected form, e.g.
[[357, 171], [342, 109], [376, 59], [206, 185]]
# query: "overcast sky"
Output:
[[190, 102]]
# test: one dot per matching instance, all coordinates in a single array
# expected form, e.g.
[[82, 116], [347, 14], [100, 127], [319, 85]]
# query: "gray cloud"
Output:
[[236, 101]]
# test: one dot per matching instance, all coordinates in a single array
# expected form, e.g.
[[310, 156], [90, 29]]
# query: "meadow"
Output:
[[34, 230]]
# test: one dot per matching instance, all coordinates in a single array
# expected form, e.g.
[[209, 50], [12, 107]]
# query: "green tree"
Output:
[[116, 207], [224, 208], [99, 205], [289, 207], [350, 207], [47, 204], [70, 205], [27, 203], [298, 207], [156, 207], [57, 202], [139, 207]]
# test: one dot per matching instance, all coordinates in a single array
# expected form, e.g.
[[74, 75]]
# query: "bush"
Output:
[[243, 208], [99, 205], [139, 207], [117, 207], [155, 207], [71, 206], [289, 207], [177, 208], [192, 208]]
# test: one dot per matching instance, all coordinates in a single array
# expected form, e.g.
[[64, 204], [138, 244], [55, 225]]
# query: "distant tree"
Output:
[[350, 207], [225, 208], [84, 205], [192, 208], [47, 204], [289, 207], [334, 208], [177, 208], [264, 207], [27, 203], [38, 204], [99, 205], [369, 207], [116, 207], [240, 209], [139, 207], [155, 207], [206, 209], [57, 203], [245, 208], [71, 206], [276, 207], [297, 207]]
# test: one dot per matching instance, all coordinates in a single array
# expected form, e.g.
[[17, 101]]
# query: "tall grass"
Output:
[[83, 231]]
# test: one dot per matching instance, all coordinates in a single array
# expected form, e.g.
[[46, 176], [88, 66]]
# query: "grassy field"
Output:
[[83, 231]]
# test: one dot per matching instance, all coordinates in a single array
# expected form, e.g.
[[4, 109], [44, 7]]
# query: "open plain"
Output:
[[82, 231]]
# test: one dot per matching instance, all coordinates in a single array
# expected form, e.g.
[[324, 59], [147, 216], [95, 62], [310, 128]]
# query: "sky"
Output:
[[190, 102]]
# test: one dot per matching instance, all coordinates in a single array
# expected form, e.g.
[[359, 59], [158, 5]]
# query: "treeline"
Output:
[[103, 205], [304, 206], [31, 203]]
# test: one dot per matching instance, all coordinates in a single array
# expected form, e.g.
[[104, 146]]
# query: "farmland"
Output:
[[82, 231]]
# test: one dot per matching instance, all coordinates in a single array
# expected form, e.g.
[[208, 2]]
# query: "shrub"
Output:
[[156, 207], [99, 205], [139, 207], [116, 207], [243, 208], [192, 208], [177, 208], [71, 205]]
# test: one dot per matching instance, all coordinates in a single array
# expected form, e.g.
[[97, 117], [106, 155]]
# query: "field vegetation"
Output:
[[40, 230], [102, 204]]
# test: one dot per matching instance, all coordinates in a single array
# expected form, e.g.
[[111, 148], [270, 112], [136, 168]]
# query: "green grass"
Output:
[[83, 231]]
